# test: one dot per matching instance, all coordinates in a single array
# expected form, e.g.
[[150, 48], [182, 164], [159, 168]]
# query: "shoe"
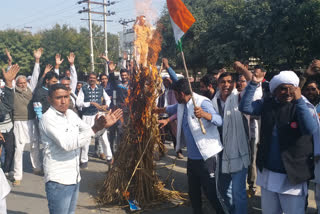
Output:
[[84, 165], [9, 175], [16, 183], [110, 162], [180, 155], [102, 156], [38, 172]]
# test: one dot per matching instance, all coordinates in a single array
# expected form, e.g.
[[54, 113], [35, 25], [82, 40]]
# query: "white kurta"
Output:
[[4, 191]]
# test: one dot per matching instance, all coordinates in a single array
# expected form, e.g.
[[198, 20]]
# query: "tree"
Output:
[[282, 34], [59, 39]]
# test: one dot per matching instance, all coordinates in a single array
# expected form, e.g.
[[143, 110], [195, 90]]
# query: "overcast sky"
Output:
[[43, 14]]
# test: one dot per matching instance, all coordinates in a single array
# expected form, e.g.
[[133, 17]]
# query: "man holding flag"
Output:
[[195, 115]]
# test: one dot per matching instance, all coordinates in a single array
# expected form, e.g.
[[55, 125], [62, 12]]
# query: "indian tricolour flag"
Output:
[[181, 19]]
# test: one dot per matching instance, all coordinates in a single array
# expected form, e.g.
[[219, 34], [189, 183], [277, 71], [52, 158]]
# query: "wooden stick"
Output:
[[135, 169], [193, 101]]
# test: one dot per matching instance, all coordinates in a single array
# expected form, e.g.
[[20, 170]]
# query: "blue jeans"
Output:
[[232, 188], [62, 199]]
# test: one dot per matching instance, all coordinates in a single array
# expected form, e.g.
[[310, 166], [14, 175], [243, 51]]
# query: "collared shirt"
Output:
[[192, 149], [62, 136], [80, 100]]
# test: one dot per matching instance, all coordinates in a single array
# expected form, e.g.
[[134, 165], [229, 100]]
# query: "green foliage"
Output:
[[282, 34], [59, 39]]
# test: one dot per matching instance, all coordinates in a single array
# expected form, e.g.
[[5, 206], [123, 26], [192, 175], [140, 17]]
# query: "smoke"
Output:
[[146, 8]]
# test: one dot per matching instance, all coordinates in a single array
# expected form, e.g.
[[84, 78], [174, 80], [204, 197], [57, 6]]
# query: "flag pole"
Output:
[[193, 101]]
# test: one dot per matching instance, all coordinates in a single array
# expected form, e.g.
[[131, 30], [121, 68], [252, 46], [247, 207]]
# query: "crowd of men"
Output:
[[258, 133], [58, 116]]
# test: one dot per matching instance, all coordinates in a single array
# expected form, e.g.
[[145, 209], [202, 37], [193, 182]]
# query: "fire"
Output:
[[142, 131], [145, 81]]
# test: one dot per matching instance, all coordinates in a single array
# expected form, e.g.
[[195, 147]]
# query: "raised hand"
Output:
[[112, 66], [71, 58], [257, 79], [9, 57], [58, 60], [102, 56], [113, 117], [10, 75], [37, 54], [165, 63], [125, 55], [47, 69], [238, 66], [313, 68]]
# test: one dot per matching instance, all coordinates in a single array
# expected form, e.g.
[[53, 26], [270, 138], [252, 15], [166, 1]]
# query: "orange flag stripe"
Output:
[[180, 14]]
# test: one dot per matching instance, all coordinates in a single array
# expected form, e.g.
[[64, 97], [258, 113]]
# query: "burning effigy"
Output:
[[133, 178]]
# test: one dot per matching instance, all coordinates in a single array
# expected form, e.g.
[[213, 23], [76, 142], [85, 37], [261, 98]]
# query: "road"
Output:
[[30, 197]]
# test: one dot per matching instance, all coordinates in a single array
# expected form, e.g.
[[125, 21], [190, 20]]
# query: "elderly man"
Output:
[[25, 128], [63, 133], [285, 152]]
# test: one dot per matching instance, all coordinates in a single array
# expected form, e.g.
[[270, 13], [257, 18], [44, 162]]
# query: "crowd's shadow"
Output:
[[15, 212]]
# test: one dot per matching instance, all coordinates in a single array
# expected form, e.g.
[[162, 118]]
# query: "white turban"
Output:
[[284, 77]]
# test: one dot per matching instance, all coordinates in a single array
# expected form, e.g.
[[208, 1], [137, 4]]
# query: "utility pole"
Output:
[[125, 23], [105, 34], [105, 14], [91, 39]]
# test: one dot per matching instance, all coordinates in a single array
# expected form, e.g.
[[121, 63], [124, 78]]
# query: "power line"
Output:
[[105, 13]]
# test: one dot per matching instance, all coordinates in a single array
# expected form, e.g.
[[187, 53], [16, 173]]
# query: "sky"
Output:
[[44, 14]]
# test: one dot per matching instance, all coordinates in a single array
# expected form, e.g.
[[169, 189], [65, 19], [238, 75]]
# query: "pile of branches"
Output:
[[133, 174]]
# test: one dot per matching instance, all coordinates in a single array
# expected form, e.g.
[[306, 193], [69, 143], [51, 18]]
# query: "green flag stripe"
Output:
[[179, 45]]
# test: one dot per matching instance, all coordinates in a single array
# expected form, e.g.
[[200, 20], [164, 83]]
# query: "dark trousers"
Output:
[[252, 170], [9, 148], [199, 172]]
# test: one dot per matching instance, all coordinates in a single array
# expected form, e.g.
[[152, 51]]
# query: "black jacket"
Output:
[[296, 148], [6, 104]]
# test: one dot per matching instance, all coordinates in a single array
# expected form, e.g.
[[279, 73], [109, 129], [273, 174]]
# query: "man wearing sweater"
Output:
[[6, 106], [202, 148], [25, 128], [285, 153]]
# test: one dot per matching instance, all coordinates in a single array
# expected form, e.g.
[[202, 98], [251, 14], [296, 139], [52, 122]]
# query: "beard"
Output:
[[207, 94]]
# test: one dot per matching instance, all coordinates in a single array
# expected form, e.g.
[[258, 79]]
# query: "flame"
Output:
[[145, 80]]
